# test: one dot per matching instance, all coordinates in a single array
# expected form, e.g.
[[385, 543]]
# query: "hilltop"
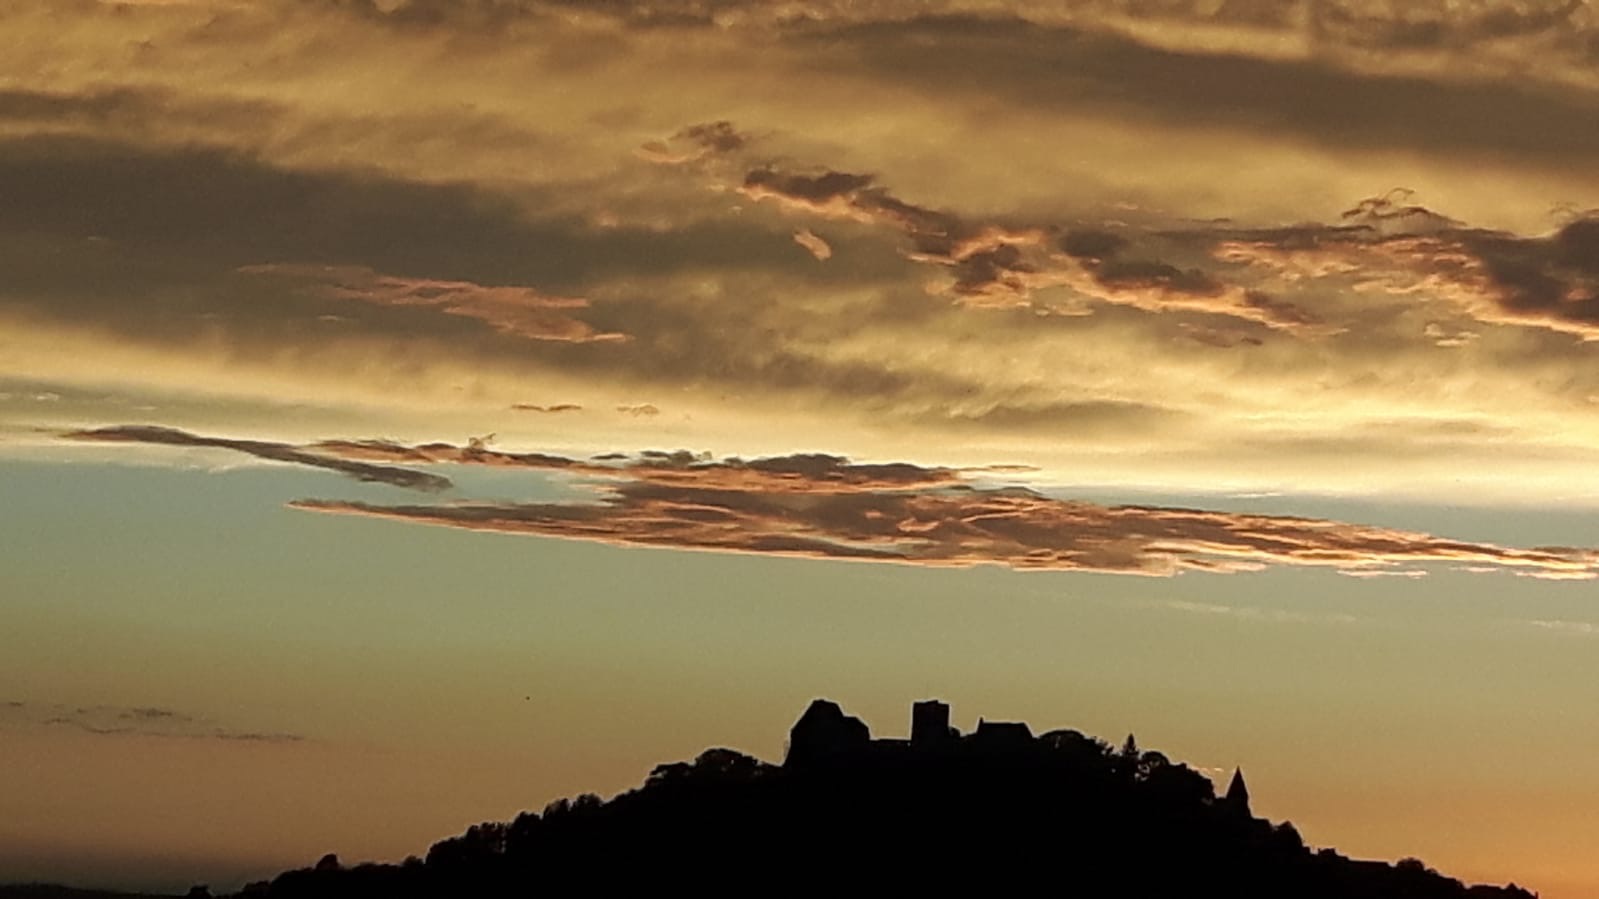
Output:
[[999, 808]]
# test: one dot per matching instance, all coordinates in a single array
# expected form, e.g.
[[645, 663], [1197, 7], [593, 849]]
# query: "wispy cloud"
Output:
[[131, 721], [517, 311], [1404, 573], [1577, 628], [265, 449], [1250, 613], [827, 507], [556, 407]]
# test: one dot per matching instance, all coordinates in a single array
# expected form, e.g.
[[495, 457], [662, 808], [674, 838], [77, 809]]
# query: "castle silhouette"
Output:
[[940, 812], [825, 736]]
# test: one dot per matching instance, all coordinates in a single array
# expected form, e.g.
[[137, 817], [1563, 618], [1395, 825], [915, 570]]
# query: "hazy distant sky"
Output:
[[412, 411]]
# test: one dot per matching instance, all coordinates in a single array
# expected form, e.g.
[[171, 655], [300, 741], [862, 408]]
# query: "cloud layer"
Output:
[[1107, 239]]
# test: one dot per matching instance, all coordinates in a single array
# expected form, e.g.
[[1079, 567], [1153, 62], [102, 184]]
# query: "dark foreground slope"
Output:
[[1061, 814]]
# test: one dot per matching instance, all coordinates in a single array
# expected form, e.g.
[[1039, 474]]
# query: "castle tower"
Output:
[[1237, 797], [824, 733], [930, 723]]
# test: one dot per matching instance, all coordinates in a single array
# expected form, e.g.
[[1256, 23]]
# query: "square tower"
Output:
[[930, 723]]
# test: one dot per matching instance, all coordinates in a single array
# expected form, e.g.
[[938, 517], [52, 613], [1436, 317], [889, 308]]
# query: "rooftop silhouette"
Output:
[[998, 808]]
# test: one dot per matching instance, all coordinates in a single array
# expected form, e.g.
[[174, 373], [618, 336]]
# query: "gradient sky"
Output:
[[413, 411]]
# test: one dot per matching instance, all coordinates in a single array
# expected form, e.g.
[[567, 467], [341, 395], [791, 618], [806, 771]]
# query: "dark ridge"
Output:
[[1000, 808]]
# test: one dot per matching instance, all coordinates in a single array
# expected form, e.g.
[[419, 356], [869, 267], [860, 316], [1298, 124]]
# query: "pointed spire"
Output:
[[1238, 791]]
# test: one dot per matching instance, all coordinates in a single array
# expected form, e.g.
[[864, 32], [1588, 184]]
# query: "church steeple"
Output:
[[1238, 792]]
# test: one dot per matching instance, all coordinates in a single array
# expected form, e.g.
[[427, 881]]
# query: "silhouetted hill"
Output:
[[998, 809]]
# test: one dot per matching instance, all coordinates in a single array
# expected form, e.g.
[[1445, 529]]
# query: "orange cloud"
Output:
[[826, 507], [518, 311], [813, 244]]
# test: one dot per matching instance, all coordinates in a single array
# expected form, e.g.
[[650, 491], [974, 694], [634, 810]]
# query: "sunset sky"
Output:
[[413, 411]]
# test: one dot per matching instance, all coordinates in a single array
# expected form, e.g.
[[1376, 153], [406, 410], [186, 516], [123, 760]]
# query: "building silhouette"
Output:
[[1001, 736], [930, 724], [824, 736], [824, 733]]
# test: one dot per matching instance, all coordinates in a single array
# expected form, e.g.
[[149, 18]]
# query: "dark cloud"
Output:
[[145, 114], [986, 260], [1392, 214], [1087, 418], [998, 270], [184, 221], [474, 453], [495, 15], [1440, 25], [696, 142], [1079, 68], [801, 472], [164, 248], [1347, 30], [718, 137], [1549, 281], [1220, 338], [1090, 244], [821, 191], [555, 408], [54, 107], [1158, 276], [136, 721], [994, 263], [478, 14], [261, 449]]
